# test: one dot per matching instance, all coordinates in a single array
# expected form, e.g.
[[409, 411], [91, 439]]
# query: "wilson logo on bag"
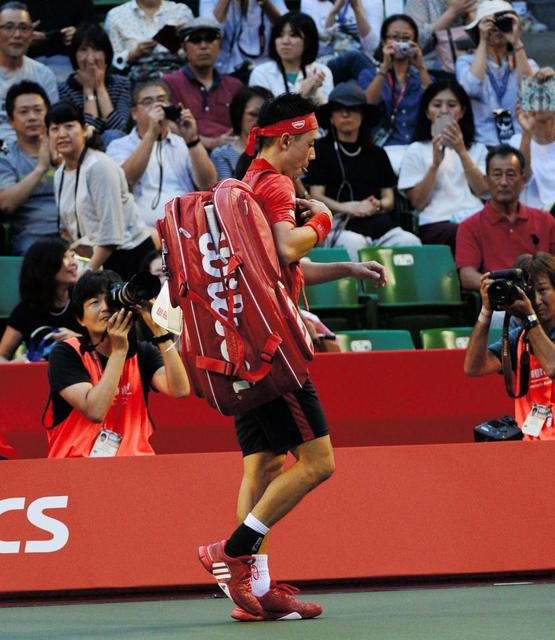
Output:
[[244, 341]]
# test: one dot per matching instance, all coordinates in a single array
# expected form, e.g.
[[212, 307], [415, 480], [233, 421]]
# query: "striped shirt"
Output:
[[119, 90]]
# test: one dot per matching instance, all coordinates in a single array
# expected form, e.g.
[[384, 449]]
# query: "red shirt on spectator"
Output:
[[210, 107], [488, 241]]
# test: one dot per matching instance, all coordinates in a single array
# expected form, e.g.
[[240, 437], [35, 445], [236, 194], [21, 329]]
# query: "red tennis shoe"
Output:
[[279, 604], [233, 576]]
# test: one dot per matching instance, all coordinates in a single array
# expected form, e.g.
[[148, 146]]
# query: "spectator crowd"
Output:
[[426, 136]]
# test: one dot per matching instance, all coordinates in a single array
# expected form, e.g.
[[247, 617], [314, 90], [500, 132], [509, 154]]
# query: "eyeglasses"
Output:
[[150, 100], [197, 38], [10, 27]]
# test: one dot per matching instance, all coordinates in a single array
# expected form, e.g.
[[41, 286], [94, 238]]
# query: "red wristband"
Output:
[[321, 223]]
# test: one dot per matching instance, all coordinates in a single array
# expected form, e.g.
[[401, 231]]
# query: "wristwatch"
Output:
[[530, 322]]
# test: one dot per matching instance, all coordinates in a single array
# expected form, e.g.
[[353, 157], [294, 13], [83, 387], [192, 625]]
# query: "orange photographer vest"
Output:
[[74, 437], [540, 391]]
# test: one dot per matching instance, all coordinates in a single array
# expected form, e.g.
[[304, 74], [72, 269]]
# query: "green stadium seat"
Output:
[[452, 337], [336, 303], [423, 289], [10, 266], [374, 340], [329, 254]]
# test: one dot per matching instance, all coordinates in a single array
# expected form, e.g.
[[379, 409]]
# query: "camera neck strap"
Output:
[[523, 362]]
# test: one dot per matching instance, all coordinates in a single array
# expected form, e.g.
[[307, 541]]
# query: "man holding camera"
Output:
[[533, 340], [504, 229], [100, 382], [163, 156], [200, 86]]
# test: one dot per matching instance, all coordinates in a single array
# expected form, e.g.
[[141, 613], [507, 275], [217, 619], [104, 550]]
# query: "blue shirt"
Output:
[[38, 215], [485, 98], [405, 120]]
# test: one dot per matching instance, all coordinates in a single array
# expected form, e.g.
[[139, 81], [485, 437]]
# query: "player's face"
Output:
[[300, 152]]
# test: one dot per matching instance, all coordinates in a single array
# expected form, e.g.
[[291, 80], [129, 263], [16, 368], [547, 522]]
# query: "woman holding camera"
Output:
[[100, 383], [97, 214], [535, 337], [491, 75], [398, 83]]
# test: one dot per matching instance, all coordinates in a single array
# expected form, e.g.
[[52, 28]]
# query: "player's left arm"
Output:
[[319, 272]]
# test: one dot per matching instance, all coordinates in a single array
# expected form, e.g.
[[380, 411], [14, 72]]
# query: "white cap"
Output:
[[490, 8]]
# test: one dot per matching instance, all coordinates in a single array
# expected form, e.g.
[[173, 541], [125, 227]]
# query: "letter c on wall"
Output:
[[10, 504]]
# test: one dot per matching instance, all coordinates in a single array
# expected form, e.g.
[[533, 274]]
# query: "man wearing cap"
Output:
[[284, 138], [200, 87], [361, 199], [491, 75]]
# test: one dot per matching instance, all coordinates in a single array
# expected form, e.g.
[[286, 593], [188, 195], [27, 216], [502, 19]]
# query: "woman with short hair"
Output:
[[97, 213], [105, 98]]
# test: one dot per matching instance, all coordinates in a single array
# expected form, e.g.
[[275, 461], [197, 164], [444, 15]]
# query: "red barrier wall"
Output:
[[398, 397], [388, 511]]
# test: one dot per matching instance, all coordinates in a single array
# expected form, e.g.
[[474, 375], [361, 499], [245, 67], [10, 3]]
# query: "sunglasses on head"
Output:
[[203, 36]]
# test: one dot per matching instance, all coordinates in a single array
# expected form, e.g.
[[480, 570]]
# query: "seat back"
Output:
[[10, 266], [452, 337], [342, 293], [424, 275], [329, 254], [374, 340]]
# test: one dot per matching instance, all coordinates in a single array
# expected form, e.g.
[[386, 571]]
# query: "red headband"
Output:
[[301, 124]]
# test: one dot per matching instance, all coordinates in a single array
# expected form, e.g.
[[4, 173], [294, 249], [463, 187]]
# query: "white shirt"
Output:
[[102, 212], [319, 10], [240, 41], [268, 75], [128, 24], [540, 188], [177, 177], [452, 199], [30, 70]]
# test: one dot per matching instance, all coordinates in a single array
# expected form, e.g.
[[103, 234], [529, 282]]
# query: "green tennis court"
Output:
[[512, 612]]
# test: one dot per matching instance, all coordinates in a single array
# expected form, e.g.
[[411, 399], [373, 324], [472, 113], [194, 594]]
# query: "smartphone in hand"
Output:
[[440, 123], [168, 37]]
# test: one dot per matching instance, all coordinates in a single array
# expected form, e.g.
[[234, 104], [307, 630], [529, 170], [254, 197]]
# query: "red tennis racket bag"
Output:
[[244, 341]]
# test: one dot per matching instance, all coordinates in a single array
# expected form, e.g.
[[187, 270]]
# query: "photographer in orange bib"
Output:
[[284, 143]]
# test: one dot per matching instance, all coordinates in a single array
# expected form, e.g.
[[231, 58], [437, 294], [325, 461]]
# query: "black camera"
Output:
[[172, 113], [503, 22], [504, 290], [141, 287]]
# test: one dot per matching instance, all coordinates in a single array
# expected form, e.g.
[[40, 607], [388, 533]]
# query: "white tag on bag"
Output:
[[164, 314]]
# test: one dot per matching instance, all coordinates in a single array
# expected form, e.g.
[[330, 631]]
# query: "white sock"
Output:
[[260, 577], [255, 524]]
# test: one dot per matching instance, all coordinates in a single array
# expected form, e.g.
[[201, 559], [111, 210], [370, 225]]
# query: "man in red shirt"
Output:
[[493, 238], [200, 87], [286, 132]]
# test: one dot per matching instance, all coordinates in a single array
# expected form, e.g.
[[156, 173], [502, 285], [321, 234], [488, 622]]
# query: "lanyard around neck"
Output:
[[77, 174]]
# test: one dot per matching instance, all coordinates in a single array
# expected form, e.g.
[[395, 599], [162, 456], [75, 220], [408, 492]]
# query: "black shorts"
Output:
[[283, 423]]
